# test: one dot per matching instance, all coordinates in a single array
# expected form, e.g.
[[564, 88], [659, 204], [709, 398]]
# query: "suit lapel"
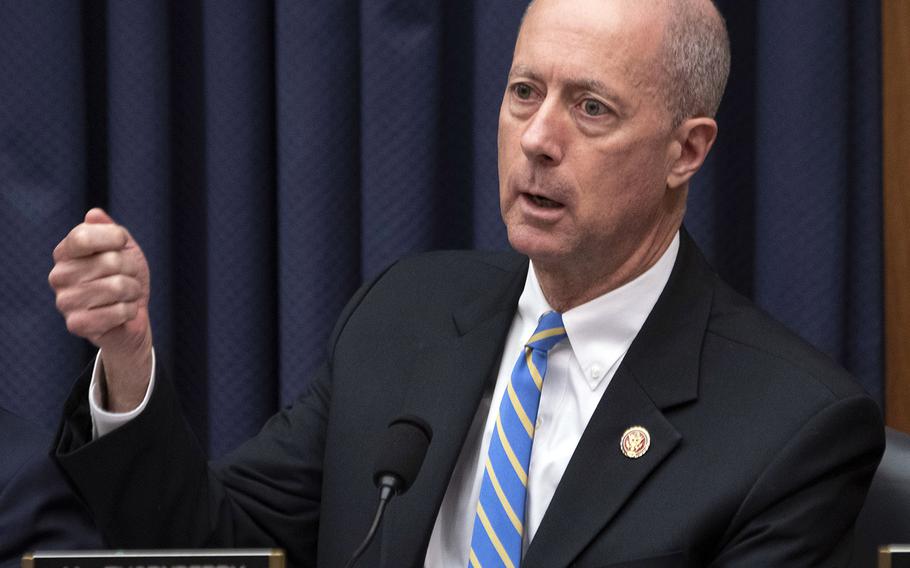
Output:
[[659, 371], [600, 478], [447, 381]]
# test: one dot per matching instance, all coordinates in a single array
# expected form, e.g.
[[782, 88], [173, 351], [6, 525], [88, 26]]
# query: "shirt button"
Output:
[[595, 371]]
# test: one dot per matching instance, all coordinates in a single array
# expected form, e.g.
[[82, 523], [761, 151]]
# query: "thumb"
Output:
[[98, 216]]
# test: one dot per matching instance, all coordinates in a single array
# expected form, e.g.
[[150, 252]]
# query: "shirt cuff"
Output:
[[104, 422]]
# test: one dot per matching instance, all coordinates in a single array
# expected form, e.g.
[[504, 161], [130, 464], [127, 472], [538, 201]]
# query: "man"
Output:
[[38, 511], [653, 418]]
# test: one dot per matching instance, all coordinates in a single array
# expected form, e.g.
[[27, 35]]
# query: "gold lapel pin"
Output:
[[635, 442]]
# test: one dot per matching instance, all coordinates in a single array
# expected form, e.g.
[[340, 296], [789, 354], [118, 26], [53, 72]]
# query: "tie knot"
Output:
[[549, 332]]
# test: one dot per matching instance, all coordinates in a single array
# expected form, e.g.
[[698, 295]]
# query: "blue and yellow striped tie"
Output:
[[499, 522]]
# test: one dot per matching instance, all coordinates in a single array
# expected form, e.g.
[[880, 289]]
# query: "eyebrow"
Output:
[[579, 83]]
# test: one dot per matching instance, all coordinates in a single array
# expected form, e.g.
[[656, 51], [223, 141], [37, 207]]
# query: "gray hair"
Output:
[[695, 59]]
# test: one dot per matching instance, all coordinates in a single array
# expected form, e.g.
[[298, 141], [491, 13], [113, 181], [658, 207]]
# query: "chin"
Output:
[[539, 246]]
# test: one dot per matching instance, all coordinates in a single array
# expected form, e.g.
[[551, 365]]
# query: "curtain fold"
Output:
[[318, 125]]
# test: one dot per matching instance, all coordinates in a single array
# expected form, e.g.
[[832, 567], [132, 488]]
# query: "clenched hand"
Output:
[[101, 280]]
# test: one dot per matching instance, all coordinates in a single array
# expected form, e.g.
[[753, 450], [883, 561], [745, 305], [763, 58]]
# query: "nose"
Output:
[[542, 140]]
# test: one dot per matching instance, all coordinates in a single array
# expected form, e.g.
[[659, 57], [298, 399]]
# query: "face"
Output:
[[585, 141]]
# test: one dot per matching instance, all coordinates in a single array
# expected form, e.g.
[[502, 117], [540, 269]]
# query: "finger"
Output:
[[87, 239], [99, 293], [81, 270], [97, 215], [94, 323]]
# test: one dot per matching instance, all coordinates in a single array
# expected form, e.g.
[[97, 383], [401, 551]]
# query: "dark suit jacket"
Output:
[[38, 511], [762, 449]]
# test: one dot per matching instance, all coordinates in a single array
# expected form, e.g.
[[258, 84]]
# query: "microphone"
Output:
[[401, 455]]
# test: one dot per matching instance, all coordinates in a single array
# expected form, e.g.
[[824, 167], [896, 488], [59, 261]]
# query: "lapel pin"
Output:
[[635, 442]]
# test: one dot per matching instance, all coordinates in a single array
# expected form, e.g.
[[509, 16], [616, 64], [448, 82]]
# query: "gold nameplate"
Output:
[[894, 556], [196, 558]]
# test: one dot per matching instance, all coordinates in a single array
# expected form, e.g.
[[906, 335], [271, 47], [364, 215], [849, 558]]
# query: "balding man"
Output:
[[600, 399]]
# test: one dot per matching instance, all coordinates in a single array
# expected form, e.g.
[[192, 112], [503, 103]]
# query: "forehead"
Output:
[[598, 39]]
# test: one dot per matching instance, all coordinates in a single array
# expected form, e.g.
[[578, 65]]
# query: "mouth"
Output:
[[541, 201]]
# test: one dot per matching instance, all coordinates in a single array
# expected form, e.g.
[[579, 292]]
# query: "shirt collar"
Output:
[[600, 331]]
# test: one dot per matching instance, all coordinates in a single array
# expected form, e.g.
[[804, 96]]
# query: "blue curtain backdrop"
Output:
[[269, 156]]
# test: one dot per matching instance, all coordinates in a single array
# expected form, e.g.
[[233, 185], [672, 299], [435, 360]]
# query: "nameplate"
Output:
[[209, 558], [894, 556]]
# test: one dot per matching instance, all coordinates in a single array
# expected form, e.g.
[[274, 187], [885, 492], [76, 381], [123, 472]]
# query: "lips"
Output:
[[541, 195], [542, 201]]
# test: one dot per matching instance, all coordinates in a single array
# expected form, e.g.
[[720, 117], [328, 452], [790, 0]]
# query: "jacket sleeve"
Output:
[[149, 484], [801, 510], [39, 511]]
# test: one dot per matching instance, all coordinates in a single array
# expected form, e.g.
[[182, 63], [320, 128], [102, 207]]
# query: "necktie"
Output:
[[499, 522]]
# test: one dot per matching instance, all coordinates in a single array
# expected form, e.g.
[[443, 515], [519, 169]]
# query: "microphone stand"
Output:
[[387, 490], [396, 468]]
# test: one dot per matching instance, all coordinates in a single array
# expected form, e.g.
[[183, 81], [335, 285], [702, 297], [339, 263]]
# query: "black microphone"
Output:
[[400, 457]]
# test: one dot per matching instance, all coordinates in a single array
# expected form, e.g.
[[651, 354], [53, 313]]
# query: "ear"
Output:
[[693, 141]]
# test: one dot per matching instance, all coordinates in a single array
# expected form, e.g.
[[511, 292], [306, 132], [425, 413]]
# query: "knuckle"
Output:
[[75, 324], [116, 313], [116, 286], [58, 251], [135, 265], [79, 237], [126, 311], [136, 289], [53, 277], [63, 302], [60, 275], [111, 262], [127, 287]]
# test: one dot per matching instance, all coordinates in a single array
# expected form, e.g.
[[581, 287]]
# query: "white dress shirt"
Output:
[[103, 421], [578, 373]]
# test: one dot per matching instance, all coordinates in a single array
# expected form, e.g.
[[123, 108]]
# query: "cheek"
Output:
[[617, 186], [510, 155], [503, 135], [508, 137], [505, 161], [640, 166]]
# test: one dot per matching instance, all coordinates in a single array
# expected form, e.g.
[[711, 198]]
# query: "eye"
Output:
[[593, 107], [523, 91]]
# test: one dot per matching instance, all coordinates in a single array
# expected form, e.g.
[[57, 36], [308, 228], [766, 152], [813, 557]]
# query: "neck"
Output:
[[569, 285]]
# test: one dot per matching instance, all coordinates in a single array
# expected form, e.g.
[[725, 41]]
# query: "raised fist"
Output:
[[101, 280]]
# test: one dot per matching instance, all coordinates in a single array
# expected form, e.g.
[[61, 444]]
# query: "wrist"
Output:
[[124, 380]]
